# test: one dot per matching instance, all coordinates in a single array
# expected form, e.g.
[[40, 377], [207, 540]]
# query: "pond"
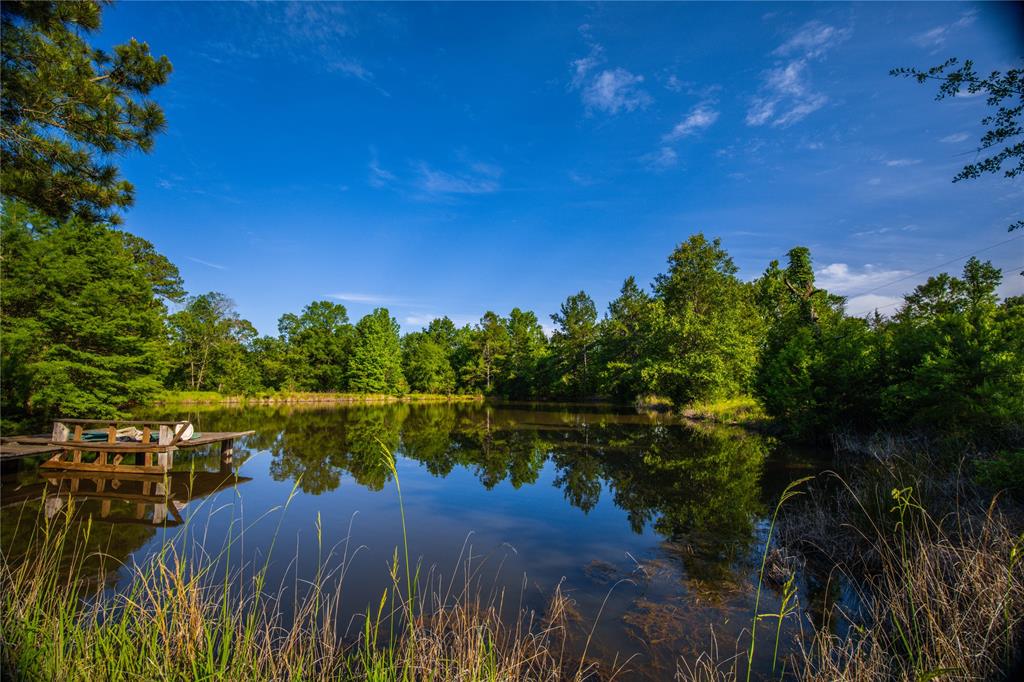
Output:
[[653, 526]]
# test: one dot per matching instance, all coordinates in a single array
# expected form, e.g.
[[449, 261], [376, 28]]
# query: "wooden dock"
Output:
[[77, 448]]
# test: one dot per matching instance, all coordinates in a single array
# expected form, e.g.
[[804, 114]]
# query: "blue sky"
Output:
[[449, 159]]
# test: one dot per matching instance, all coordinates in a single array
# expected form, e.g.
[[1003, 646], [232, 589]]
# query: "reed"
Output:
[[177, 616], [937, 579]]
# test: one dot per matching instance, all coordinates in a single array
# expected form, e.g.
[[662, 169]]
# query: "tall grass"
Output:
[[936, 578], [173, 618], [936, 582]]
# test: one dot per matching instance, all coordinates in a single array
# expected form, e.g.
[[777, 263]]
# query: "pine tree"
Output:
[[82, 323], [68, 107]]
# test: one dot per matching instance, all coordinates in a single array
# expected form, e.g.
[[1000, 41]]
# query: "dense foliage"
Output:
[[86, 331], [67, 107], [83, 324]]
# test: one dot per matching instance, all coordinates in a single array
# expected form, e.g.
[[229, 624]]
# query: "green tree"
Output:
[[711, 333], [425, 364], [573, 346], [527, 347], [318, 342], [67, 108], [628, 335], [83, 310], [1004, 94], [270, 354], [794, 356], [957, 355], [376, 362], [490, 346], [209, 345]]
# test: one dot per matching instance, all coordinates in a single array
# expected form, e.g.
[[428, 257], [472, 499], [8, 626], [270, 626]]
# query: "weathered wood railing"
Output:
[[68, 435]]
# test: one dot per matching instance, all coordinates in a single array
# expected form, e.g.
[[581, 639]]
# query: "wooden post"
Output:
[[165, 459], [60, 432], [227, 451]]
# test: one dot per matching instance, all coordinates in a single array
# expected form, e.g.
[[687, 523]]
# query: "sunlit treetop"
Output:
[[68, 109]]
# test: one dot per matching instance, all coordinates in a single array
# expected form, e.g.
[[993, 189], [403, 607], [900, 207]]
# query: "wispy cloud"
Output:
[[581, 179], [662, 158], [355, 69], [954, 138], [607, 90], [812, 40], [373, 299], [700, 117], [582, 67], [379, 177], [786, 95], [479, 179], [351, 67], [615, 90], [886, 230], [215, 266], [902, 163], [786, 98], [937, 36]]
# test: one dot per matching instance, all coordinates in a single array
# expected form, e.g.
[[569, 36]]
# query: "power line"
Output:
[[934, 267], [901, 301]]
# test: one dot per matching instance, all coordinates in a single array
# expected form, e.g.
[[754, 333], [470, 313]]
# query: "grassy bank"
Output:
[[294, 397], [930, 566], [741, 410]]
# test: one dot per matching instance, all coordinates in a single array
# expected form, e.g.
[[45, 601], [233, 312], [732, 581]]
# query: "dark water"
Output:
[[661, 522]]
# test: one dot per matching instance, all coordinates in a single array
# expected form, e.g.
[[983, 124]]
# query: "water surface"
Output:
[[659, 521]]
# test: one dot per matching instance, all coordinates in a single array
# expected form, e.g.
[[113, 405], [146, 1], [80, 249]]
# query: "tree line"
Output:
[[87, 331], [86, 327]]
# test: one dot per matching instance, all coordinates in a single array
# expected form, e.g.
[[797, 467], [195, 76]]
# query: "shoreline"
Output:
[[205, 398]]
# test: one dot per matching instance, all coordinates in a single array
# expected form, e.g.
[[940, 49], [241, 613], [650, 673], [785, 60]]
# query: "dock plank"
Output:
[[14, 450]]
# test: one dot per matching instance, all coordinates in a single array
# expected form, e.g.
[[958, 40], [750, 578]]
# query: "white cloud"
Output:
[[664, 157], [840, 279], [215, 266], [954, 138], [607, 90], [937, 36], [673, 84], [700, 117], [860, 306], [433, 181], [874, 182], [351, 67], [584, 65], [420, 320], [786, 95], [902, 163], [362, 298], [378, 176], [615, 90], [581, 179], [813, 40]]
